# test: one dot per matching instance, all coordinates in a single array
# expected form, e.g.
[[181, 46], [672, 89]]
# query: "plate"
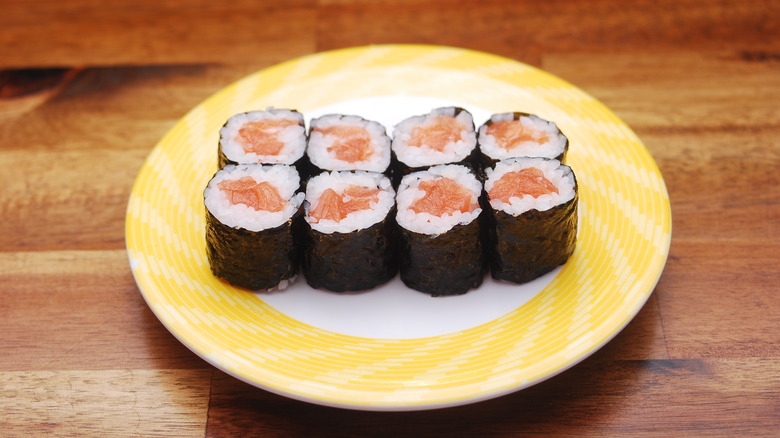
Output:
[[393, 348]]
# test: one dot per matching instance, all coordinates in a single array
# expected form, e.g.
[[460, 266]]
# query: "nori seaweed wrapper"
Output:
[[350, 262], [305, 169], [222, 160], [450, 263], [524, 247], [254, 260], [302, 165], [399, 170], [486, 161]]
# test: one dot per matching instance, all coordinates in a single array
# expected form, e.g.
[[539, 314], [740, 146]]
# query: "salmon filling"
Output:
[[436, 134], [259, 196], [529, 181], [510, 133], [262, 137], [442, 196], [334, 206], [350, 143]]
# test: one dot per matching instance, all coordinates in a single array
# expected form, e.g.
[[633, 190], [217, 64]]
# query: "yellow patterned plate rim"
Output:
[[624, 236]]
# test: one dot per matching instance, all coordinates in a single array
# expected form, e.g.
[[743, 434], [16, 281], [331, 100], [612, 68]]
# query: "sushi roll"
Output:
[[441, 251], [251, 212], [273, 136], [515, 135], [532, 217], [349, 239], [343, 142], [443, 136]]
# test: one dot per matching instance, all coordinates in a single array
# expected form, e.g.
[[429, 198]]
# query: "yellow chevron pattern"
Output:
[[624, 236]]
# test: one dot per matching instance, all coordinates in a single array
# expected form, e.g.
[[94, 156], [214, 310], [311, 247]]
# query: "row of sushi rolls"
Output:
[[441, 202]]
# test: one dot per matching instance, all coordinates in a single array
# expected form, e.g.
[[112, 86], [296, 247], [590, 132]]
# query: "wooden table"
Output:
[[87, 89]]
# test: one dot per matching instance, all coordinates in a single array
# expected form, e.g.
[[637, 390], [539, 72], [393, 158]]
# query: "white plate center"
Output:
[[393, 311]]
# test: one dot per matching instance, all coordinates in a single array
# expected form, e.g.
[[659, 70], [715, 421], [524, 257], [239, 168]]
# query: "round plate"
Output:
[[392, 348]]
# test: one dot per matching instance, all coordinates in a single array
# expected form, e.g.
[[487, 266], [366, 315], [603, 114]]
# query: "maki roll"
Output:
[[443, 136], [514, 135], [250, 216], [340, 142], [532, 216], [441, 249], [349, 240], [273, 136]]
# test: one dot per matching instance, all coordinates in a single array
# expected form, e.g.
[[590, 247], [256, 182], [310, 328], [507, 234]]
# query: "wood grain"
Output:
[[77, 156], [109, 403], [82, 354], [128, 32], [528, 30], [718, 306], [608, 398], [77, 310]]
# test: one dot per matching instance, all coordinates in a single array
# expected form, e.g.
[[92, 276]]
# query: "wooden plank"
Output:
[[103, 126], [106, 403], [526, 30], [80, 206], [132, 32], [716, 300], [713, 397], [124, 107], [714, 92], [726, 201], [76, 310]]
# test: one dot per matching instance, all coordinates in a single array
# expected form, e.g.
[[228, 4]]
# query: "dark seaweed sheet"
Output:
[[347, 262], [522, 248], [451, 263], [400, 170], [312, 170], [253, 260], [223, 160], [304, 167]]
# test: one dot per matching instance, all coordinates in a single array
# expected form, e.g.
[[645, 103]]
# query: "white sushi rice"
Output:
[[454, 152], [319, 144], [284, 178], [293, 137], [553, 148], [426, 223], [559, 175], [338, 182]]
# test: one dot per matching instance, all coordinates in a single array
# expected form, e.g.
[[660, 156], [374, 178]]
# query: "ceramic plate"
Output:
[[394, 348]]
